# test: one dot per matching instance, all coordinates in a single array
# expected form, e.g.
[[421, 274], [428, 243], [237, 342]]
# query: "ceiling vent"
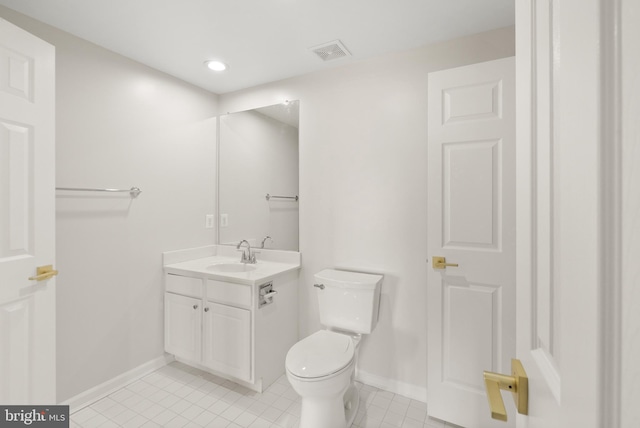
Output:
[[330, 51]]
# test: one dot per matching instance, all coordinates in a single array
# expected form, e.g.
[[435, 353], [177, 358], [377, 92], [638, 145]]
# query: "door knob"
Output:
[[518, 384], [441, 263], [44, 272]]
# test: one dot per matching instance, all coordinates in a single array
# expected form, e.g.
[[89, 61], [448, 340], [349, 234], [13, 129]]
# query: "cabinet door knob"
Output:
[[195, 306], [206, 309]]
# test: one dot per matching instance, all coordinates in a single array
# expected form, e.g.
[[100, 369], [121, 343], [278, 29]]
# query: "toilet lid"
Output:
[[321, 354]]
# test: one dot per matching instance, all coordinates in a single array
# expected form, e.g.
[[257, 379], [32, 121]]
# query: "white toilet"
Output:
[[321, 367]]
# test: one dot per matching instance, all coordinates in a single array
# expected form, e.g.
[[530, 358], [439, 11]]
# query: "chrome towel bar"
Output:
[[134, 191], [281, 197]]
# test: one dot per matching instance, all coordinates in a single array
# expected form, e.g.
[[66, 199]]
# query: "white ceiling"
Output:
[[261, 40]]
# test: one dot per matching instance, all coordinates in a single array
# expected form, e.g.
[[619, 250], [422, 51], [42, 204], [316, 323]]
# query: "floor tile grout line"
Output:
[[160, 389]]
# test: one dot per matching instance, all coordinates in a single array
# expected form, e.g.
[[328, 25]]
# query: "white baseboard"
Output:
[[94, 394], [408, 390], [257, 386]]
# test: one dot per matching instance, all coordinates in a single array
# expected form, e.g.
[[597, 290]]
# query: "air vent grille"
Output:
[[331, 50]]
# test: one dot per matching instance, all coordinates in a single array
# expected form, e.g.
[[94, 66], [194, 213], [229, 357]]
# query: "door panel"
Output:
[[561, 249], [183, 326], [27, 217], [16, 77], [16, 335], [538, 199], [472, 102], [228, 340], [471, 174], [469, 316], [471, 307], [16, 214]]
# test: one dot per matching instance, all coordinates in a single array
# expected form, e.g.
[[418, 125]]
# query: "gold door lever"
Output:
[[441, 263], [518, 384], [44, 272]]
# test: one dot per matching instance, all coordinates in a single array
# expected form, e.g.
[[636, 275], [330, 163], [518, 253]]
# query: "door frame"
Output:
[[611, 212], [626, 14]]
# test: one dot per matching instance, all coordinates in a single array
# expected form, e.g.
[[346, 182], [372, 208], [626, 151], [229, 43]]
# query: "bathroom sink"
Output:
[[231, 267]]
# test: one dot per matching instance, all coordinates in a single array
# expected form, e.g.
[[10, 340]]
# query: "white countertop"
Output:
[[194, 262]]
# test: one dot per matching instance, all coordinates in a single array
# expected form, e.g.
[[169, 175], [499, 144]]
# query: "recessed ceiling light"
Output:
[[216, 65]]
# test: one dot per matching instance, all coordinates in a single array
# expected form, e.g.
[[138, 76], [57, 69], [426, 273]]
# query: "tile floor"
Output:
[[180, 396]]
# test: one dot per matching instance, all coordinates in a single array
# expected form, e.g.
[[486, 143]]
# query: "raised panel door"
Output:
[[227, 340], [471, 222], [27, 218], [183, 326]]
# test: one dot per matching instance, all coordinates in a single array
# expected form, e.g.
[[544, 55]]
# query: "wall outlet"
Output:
[[208, 221], [224, 220]]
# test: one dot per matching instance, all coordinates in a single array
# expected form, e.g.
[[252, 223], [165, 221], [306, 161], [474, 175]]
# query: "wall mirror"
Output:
[[258, 177]]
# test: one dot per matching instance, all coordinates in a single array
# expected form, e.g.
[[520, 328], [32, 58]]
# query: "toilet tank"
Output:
[[348, 300]]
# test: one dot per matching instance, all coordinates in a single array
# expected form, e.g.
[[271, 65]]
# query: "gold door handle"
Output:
[[518, 384], [441, 263], [44, 272]]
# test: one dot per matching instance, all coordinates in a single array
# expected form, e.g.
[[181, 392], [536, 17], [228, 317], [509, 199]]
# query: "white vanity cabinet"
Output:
[[209, 322], [219, 326]]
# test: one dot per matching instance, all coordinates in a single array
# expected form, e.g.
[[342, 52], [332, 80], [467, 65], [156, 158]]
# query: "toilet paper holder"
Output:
[[266, 294]]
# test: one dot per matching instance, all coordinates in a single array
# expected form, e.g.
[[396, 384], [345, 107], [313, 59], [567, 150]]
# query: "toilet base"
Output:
[[338, 412], [351, 402], [323, 413]]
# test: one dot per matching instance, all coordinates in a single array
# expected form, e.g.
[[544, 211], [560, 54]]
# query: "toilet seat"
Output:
[[320, 355]]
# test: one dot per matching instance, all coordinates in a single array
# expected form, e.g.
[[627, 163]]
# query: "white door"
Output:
[[183, 326], [227, 340], [562, 189], [27, 218], [471, 222]]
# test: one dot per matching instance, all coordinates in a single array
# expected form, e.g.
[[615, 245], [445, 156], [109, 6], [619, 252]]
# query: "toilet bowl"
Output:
[[321, 366]]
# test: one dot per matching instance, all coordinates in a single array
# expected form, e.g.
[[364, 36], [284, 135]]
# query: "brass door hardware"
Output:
[[44, 272], [441, 263], [518, 384]]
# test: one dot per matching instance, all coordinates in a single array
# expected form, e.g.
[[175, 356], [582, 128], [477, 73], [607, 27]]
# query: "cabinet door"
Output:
[[182, 326], [227, 342]]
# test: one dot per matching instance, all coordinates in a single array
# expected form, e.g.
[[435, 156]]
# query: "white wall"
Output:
[[121, 124], [363, 188], [258, 155]]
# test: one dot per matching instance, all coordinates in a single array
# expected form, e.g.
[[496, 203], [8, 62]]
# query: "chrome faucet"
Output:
[[265, 239], [246, 257]]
